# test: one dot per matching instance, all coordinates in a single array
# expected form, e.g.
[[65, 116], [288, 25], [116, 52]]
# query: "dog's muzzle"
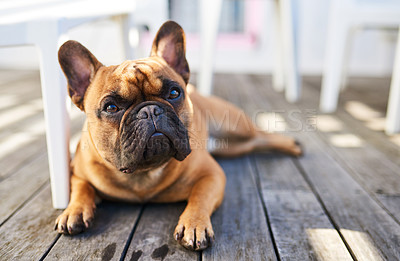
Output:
[[151, 134]]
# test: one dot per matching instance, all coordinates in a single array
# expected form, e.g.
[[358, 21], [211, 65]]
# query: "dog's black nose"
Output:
[[149, 111]]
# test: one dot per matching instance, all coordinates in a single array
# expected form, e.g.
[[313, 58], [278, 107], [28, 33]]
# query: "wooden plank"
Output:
[[153, 239], [372, 168], [20, 89], [8, 77], [370, 232], [13, 161], [105, 240], [18, 92], [240, 221], [18, 188], [10, 163], [31, 173], [301, 229], [376, 138], [23, 125], [29, 233], [367, 93], [368, 229], [240, 226], [378, 175]]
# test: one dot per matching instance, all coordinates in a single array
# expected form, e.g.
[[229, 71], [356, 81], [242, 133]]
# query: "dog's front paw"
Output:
[[74, 220], [194, 232]]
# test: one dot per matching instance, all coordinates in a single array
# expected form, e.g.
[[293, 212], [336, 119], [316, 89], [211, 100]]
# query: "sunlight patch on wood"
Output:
[[395, 139], [373, 119], [328, 123], [21, 112], [7, 100], [376, 124], [362, 245], [346, 141], [362, 111], [271, 122], [32, 131], [15, 142], [326, 244]]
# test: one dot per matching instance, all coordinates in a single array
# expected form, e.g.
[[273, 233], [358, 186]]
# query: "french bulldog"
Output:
[[145, 137]]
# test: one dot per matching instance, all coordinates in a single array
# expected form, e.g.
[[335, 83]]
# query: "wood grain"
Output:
[[370, 232], [153, 239], [301, 229], [105, 240], [20, 187], [29, 233], [239, 224]]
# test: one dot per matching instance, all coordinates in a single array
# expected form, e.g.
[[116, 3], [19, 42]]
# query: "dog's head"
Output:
[[138, 112]]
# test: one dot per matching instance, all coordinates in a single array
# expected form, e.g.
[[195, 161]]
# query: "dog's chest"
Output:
[[139, 187]]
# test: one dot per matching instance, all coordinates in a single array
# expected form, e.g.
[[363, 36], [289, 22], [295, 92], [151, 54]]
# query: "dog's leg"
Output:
[[194, 230], [80, 211], [262, 141], [237, 133]]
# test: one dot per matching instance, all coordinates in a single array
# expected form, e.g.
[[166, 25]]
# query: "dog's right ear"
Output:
[[79, 66]]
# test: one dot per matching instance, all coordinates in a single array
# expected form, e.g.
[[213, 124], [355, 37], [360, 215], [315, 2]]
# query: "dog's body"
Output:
[[145, 137]]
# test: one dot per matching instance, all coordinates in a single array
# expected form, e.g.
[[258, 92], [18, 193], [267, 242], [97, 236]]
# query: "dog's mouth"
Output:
[[158, 146], [126, 170], [158, 149]]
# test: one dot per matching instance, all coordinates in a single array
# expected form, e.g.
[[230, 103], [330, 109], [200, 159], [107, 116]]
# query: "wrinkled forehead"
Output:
[[143, 76]]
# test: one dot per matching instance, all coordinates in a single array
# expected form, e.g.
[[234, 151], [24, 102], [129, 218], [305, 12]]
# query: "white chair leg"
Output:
[[54, 94], [278, 78], [292, 90], [126, 25], [393, 109], [210, 11], [345, 64], [334, 57]]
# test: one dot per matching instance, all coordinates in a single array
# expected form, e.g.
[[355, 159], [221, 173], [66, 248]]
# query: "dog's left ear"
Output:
[[170, 44]]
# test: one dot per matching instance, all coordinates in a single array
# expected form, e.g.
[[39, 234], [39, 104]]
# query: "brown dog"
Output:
[[146, 134]]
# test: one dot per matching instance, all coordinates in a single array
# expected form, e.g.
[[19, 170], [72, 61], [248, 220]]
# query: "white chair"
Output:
[[45, 26], [345, 15], [285, 73]]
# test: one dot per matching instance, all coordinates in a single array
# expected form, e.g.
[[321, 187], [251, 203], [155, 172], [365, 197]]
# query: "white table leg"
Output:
[[393, 109], [210, 11], [54, 92]]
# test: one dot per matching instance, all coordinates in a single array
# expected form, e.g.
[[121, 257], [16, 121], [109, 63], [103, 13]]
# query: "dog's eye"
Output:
[[111, 108], [174, 93]]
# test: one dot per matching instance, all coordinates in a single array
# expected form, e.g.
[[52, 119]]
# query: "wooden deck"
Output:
[[340, 201]]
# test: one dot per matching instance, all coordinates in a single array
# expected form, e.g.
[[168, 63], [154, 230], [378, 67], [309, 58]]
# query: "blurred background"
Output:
[[245, 40]]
